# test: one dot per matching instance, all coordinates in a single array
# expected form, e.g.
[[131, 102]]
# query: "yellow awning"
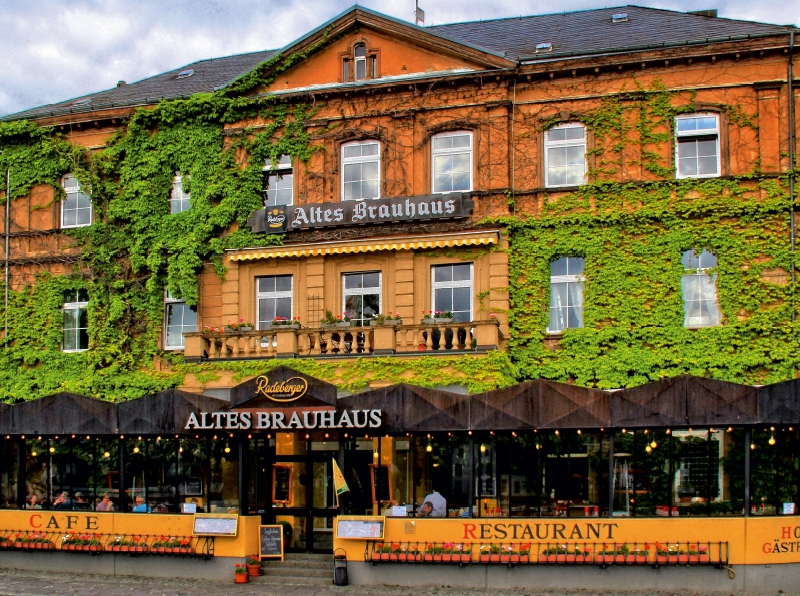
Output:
[[368, 245]]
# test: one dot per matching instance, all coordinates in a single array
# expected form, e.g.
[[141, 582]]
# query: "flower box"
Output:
[[493, 558], [342, 324], [392, 323], [376, 555], [428, 321], [640, 559], [327, 325], [402, 557], [666, 559], [447, 558], [505, 558], [384, 556], [229, 329], [245, 329], [466, 558], [442, 320], [683, 559], [484, 558]]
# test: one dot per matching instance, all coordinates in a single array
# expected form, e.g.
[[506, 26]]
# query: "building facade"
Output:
[[594, 202]]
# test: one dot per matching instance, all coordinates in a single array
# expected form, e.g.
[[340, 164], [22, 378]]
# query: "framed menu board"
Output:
[[220, 524], [281, 483], [359, 527]]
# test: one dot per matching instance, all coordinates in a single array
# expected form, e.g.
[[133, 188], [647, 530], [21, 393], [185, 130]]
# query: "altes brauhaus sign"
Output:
[[301, 419]]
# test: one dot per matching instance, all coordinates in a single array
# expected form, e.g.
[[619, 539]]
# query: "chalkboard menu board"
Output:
[[215, 525], [381, 486], [359, 526], [271, 541]]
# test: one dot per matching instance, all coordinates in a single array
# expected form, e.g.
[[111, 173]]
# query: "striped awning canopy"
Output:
[[482, 237]]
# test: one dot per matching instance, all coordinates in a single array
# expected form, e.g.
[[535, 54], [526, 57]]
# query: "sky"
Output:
[[54, 50]]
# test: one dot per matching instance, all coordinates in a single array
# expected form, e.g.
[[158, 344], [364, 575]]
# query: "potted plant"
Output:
[[18, 540], [394, 551], [429, 550], [293, 323], [328, 321], [377, 550], [506, 551], [465, 551], [640, 555], [525, 552], [240, 573], [343, 320], [414, 553], [186, 546], [666, 554], [441, 317], [427, 317], [253, 565], [402, 552], [207, 329], [387, 319], [386, 552], [447, 552], [5, 542]]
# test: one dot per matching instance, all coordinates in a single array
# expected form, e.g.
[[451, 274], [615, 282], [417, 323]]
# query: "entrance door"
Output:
[[300, 490]]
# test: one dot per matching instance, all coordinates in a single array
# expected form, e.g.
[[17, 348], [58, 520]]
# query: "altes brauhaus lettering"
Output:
[[281, 420]]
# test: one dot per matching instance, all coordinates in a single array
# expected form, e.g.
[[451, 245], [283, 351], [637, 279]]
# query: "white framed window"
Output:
[[451, 162], [361, 171], [699, 288], [565, 155], [566, 294], [75, 324], [179, 318], [273, 299], [697, 146], [360, 62], [279, 182], [178, 199], [76, 208], [361, 295], [451, 289]]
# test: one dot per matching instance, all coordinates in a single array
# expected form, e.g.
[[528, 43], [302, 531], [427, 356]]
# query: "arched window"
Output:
[[700, 289], [566, 294], [451, 162], [362, 64], [76, 209], [361, 170]]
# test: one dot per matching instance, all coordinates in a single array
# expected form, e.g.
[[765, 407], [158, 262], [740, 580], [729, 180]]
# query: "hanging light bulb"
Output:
[[375, 454], [429, 448], [136, 449], [538, 446], [772, 440], [752, 446], [648, 449], [106, 455], [624, 431], [52, 449], [653, 445], [180, 449], [227, 447], [483, 448], [33, 453], [669, 432], [580, 432]]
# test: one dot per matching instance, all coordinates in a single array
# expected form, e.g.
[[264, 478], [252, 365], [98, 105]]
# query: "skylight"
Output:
[[544, 47], [82, 102], [185, 74], [620, 17]]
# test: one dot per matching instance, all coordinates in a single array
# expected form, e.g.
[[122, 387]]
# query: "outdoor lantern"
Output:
[[52, 449]]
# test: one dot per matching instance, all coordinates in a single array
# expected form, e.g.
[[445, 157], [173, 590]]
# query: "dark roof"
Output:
[[592, 31], [581, 32], [208, 75]]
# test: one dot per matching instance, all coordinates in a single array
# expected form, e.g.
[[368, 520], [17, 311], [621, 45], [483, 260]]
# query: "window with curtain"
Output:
[[279, 183], [75, 324], [699, 288], [178, 199], [361, 177], [566, 294], [697, 146], [76, 208], [179, 318], [451, 162], [565, 155]]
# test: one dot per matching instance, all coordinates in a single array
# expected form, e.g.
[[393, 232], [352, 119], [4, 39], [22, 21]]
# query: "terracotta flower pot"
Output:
[[376, 556], [254, 570], [683, 558], [447, 558], [428, 556], [161, 549], [241, 578], [466, 558], [494, 558], [703, 558], [513, 558], [505, 558], [524, 558], [694, 558], [402, 557], [393, 556], [484, 558], [639, 560]]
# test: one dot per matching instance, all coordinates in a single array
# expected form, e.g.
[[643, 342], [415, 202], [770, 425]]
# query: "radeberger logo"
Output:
[[283, 391], [276, 218]]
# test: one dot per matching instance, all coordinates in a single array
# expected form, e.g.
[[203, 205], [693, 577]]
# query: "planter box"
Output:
[[279, 327], [683, 559], [494, 558], [447, 558], [342, 325], [402, 557], [505, 558], [384, 556], [428, 321], [484, 558], [327, 325], [666, 559], [637, 560], [357, 324], [524, 558], [442, 320], [376, 556], [465, 558], [392, 323], [246, 329]]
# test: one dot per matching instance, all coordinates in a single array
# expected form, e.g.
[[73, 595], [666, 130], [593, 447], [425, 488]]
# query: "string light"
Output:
[[624, 431], [136, 449], [669, 432], [648, 449], [558, 433], [580, 432], [33, 453], [752, 446], [429, 448], [653, 445], [106, 455], [771, 440], [483, 448], [227, 447], [52, 449]]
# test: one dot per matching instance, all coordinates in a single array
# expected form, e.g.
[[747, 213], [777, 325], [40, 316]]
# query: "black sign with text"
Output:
[[323, 215]]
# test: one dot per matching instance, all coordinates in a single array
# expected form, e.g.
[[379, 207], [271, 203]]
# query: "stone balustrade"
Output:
[[342, 340]]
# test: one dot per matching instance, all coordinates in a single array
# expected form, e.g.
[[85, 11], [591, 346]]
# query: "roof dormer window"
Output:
[[361, 65]]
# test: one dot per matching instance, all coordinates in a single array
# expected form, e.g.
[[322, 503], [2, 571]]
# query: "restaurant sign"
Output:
[[281, 219], [282, 391], [300, 419]]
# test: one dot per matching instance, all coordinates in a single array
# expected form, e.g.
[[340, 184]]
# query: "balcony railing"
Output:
[[288, 342]]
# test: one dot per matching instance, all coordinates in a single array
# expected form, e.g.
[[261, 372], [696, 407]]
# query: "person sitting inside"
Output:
[[33, 502], [105, 504], [80, 502], [426, 510], [198, 507], [141, 506], [62, 501], [439, 504]]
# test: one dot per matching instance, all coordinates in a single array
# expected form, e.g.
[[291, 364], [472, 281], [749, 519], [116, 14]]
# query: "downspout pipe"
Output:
[[8, 241], [790, 88]]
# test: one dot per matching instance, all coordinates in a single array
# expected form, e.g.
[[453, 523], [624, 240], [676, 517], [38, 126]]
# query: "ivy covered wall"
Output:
[[632, 236]]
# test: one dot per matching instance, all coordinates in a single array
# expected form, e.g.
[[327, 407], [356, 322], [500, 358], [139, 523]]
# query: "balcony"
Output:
[[344, 342]]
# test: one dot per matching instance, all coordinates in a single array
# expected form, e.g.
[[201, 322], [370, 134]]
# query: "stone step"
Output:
[[298, 564], [307, 557], [278, 580], [294, 572]]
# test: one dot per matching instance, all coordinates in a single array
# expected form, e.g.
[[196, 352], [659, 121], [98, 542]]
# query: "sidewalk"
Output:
[[26, 583]]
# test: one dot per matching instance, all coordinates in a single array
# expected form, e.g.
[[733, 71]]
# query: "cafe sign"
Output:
[[281, 219]]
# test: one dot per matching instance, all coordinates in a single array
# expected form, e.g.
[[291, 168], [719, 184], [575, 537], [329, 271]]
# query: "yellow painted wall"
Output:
[[112, 524], [752, 541]]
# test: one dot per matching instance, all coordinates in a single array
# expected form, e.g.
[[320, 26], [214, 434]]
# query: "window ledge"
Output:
[[694, 327]]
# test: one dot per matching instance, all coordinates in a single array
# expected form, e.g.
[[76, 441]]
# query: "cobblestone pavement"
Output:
[[27, 583]]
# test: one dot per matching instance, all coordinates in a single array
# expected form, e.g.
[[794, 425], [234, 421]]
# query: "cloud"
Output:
[[53, 50]]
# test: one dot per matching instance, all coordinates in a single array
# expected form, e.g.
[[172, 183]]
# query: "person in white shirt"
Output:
[[438, 502]]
